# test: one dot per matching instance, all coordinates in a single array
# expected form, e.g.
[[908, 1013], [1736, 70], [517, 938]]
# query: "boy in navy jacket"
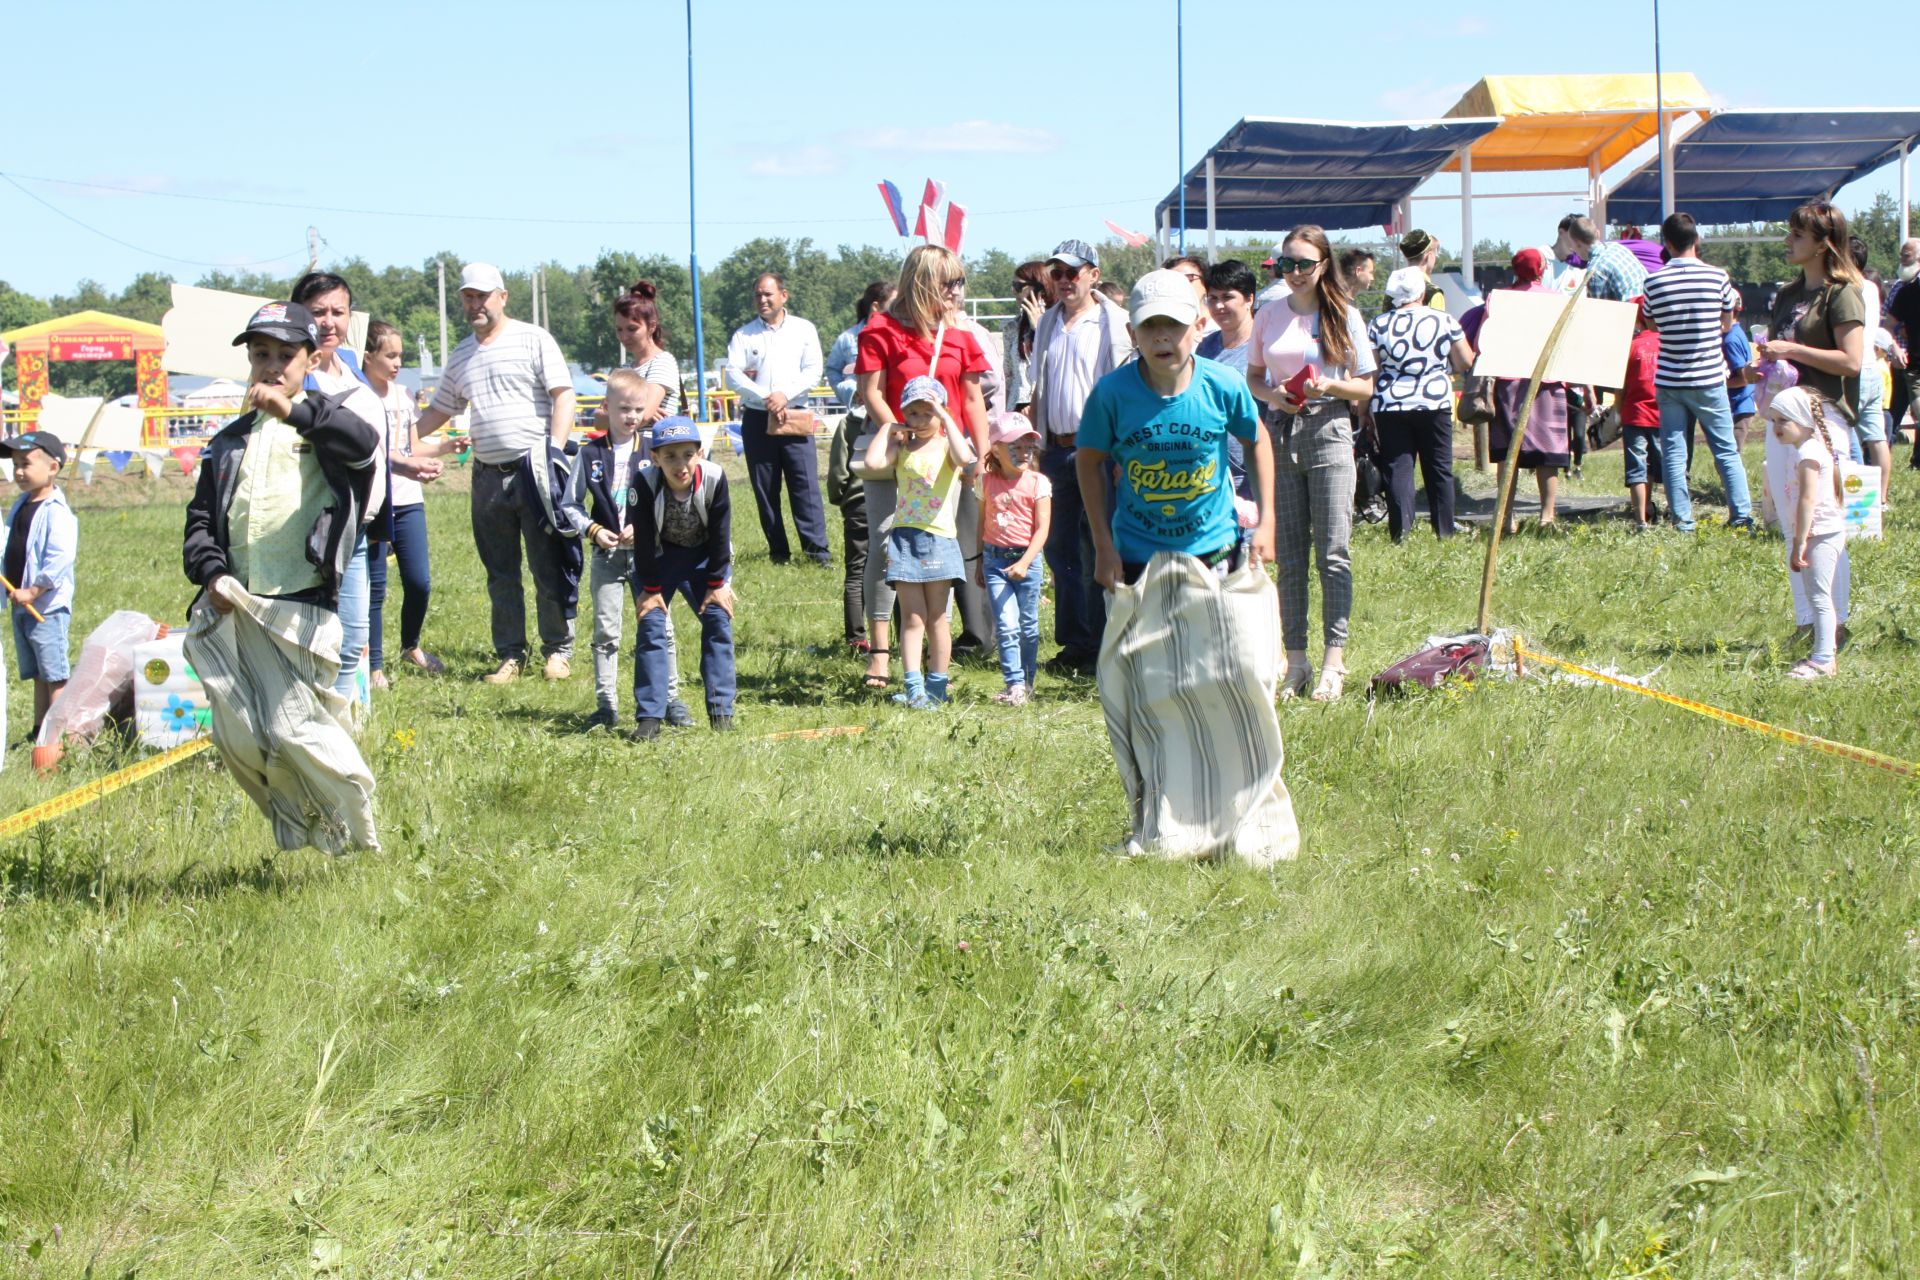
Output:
[[682, 523]]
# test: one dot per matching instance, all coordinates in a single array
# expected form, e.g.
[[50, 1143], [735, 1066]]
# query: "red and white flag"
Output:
[[1131, 238], [924, 224], [956, 226]]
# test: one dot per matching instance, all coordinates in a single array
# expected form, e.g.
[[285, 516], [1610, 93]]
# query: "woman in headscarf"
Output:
[[1544, 447]]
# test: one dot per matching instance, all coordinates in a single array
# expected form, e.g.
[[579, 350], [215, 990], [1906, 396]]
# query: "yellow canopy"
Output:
[[84, 324], [1563, 122]]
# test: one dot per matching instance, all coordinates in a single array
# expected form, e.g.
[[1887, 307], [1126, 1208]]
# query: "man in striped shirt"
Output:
[[515, 382], [1692, 302]]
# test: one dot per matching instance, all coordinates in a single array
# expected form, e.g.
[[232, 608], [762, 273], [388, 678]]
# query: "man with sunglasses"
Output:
[[1080, 339]]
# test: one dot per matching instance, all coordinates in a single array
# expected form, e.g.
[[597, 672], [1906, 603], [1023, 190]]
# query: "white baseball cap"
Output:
[[1163, 293], [483, 277], [1406, 285]]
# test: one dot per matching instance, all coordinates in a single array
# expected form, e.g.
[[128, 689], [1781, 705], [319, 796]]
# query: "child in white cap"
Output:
[[930, 458]]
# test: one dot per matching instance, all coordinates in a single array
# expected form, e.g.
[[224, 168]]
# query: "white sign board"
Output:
[[202, 324], [1593, 347]]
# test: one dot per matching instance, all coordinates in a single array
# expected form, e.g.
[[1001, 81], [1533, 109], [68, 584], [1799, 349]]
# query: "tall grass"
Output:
[[1564, 983]]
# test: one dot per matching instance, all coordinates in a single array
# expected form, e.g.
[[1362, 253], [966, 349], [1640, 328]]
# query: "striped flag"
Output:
[[934, 194], [895, 210], [924, 224], [956, 226]]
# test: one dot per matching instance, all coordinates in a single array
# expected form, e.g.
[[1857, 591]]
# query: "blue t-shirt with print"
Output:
[[1174, 491]]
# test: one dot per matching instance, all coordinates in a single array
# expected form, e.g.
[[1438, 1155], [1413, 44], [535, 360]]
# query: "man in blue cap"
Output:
[[682, 522]]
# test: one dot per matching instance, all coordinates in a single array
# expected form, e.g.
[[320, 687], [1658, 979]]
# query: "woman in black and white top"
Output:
[[1419, 349], [636, 323]]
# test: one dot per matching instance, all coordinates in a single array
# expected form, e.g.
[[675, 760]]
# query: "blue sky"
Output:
[[1042, 119]]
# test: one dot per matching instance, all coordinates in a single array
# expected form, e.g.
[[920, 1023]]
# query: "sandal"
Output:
[[1296, 680], [1333, 683], [427, 662], [1808, 669], [878, 680]]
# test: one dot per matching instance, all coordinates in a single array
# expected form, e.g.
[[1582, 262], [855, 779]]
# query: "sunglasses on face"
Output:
[[1290, 265], [1063, 272], [958, 282]]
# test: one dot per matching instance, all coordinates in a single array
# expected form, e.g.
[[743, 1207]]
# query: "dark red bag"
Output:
[[1430, 668]]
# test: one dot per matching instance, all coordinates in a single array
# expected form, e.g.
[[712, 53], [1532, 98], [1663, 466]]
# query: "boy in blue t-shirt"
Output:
[[1162, 421]]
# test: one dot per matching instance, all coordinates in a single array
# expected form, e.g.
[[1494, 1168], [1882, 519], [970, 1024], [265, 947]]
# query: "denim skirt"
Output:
[[918, 555]]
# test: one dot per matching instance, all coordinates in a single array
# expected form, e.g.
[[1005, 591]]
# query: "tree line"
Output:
[[824, 287]]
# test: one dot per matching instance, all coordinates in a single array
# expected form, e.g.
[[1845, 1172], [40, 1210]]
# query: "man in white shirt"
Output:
[[773, 361], [515, 382], [1080, 339]]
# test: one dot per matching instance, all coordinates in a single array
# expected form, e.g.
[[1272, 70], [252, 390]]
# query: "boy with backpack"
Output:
[[682, 521]]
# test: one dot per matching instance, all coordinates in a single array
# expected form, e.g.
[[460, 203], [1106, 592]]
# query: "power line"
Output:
[[440, 216], [127, 244]]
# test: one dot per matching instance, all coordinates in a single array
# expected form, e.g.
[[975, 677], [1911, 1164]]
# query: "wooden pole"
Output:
[[1509, 473]]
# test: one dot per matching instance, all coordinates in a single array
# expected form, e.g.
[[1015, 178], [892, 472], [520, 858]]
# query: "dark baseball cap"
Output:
[[287, 321], [45, 441]]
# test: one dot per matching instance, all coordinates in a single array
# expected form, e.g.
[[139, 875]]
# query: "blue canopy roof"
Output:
[[1745, 165], [1272, 174]]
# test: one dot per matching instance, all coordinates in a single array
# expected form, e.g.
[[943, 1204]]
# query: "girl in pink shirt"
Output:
[[1014, 516]]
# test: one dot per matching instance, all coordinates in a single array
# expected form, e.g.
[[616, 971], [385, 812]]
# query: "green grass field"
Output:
[[1564, 983]]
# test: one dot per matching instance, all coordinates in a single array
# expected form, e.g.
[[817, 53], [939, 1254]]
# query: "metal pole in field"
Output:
[[1660, 110], [693, 238], [1180, 110], [442, 265]]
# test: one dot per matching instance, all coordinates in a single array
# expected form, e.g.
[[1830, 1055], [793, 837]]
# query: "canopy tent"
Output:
[[91, 336], [1269, 174], [1572, 122], [1753, 165]]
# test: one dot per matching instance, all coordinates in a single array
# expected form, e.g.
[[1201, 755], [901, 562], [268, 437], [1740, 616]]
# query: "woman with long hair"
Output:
[[914, 337], [1311, 363], [1818, 324]]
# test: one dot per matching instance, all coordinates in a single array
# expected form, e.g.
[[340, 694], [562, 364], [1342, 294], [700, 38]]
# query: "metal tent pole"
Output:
[[693, 237], [1213, 252], [1906, 194], [1180, 109], [1660, 110], [1466, 215]]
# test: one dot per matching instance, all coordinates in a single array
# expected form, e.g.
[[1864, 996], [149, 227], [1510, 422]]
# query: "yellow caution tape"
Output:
[[85, 795], [801, 735], [1859, 755]]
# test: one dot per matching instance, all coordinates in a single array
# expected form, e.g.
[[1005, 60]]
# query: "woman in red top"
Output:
[[898, 345]]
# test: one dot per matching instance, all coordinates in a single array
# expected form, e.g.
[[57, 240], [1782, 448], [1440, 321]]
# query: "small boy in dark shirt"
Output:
[[682, 542]]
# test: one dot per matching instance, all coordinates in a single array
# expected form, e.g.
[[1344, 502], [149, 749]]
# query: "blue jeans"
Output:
[[1080, 608], [1634, 441], [1016, 613], [410, 549], [683, 572], [1678, 407], [354, 604]]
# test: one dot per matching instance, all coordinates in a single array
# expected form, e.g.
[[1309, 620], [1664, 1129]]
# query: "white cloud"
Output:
[[1423, 101], [801, 162], [979, 137], [1472, 25]]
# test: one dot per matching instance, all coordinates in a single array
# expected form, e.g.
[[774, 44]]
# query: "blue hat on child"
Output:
[[679, 430], [923, 388]]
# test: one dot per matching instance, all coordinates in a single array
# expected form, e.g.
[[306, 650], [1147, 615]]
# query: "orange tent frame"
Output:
[[94, 335]]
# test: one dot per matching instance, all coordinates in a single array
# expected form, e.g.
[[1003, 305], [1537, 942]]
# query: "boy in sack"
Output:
[[1189, 662], [41, 539], [275, 516], [595, 506], [682, 522]]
